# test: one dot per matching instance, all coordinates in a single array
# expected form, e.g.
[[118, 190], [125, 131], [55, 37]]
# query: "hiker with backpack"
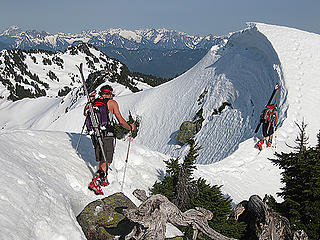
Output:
[[105, 108], [269, 119]]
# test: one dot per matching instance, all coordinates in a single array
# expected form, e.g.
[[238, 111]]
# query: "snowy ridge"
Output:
[[242, 72], [42, 166], [299, 54]]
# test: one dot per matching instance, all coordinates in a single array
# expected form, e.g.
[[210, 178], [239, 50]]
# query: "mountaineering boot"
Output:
[[103, 179], [259, 145], [269, 143], [95, 184]]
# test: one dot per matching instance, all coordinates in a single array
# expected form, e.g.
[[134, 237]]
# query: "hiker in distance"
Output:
[[105, 108], [269, 122]]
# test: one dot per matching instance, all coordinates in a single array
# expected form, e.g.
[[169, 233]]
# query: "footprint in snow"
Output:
[[42, 156], [21, 182], [74, 183], [38, 156]]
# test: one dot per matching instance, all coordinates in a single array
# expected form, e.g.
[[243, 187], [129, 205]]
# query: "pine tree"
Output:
[[302, 138], [167, 186], [186, 188], [180, 187], [301, 191]]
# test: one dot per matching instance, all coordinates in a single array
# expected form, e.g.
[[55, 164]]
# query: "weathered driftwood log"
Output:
[[262, 222], [300, 235], [156, 210]]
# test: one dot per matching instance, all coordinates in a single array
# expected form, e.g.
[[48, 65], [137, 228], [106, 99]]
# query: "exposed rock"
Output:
[[155, 211], [187, 131], [103, 219], [263, 223]]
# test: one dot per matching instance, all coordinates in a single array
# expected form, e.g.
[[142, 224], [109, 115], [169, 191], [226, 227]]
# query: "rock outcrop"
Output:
[[103, 218], [187, 131]]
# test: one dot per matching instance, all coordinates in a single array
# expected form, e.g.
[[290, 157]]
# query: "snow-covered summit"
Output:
[[242, 72]]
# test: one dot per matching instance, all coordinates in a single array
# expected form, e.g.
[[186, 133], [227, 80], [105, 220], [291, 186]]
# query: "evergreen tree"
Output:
[[301, 191], [180, 187], [186, 188], [167, 186], [302, 138]]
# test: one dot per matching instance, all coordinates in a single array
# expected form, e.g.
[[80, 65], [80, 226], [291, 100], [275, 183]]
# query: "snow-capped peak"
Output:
[[10, 31], [170, 39]]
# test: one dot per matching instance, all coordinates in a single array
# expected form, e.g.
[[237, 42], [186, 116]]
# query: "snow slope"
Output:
[[242, 72], [44, 181], [245, 172]]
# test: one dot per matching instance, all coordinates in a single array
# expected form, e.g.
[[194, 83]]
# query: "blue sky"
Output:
[[191, 16]]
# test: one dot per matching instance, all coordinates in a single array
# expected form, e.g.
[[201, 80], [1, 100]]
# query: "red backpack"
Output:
[[267, 113]]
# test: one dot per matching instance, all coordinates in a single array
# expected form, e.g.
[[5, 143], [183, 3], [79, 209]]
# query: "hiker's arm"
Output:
[[116, 111]]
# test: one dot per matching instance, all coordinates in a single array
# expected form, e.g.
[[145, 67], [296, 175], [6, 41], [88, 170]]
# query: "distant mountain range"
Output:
[[164, 53]]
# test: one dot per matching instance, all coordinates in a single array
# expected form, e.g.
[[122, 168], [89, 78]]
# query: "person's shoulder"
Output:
[[112, 102]]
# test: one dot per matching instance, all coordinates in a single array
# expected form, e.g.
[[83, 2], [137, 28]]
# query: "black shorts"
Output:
[[265, 129], [108, 148]]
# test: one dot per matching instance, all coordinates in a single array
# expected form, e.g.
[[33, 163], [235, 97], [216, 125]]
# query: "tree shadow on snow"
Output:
[[85, 150]]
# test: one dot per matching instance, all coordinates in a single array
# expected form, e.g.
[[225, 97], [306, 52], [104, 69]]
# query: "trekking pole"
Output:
[[125, 168], [84, 124]]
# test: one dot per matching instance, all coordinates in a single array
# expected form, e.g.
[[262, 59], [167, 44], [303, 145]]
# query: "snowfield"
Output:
[[44, 180]]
